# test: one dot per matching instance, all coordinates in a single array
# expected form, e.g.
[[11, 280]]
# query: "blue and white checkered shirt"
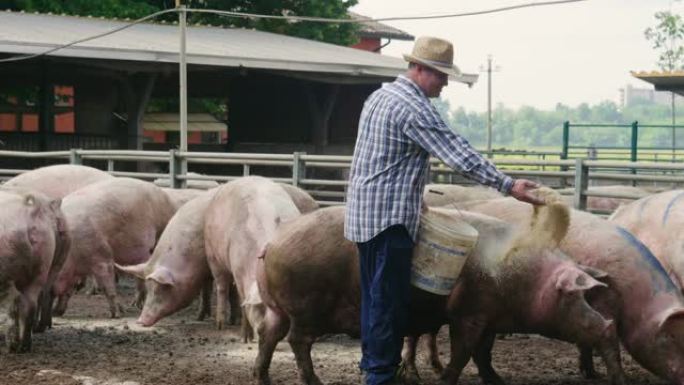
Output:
[[398, 130]]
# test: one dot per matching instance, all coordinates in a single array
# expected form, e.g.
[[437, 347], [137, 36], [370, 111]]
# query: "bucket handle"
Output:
[[453, 203]]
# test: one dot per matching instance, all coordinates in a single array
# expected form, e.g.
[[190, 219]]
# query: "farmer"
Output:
[[398, 131]]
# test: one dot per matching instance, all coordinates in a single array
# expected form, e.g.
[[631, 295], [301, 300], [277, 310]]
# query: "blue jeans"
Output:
[[385, 263]]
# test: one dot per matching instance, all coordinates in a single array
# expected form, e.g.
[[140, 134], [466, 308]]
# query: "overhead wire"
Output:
[[89, 38], [290, 18], [380, 19]]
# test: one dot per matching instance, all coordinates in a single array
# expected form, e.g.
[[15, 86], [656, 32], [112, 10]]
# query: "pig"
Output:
[[178, 270], [657, 221], [645, 304], [608, 205], [241, 219], [30, 240], [117, 220], [57, 181], [181, 196], [438, 195], [304, 202], [550, 290]]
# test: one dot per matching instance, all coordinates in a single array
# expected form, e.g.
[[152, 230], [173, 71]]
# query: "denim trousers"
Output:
[[385, 263]]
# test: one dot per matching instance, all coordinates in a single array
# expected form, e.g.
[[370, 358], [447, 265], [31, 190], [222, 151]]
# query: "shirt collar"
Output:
[[408, 82]]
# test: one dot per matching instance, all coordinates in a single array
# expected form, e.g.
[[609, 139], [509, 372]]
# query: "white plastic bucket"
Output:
[[443, 246]]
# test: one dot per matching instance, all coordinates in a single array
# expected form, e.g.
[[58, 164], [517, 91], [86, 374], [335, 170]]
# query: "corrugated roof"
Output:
[[672, 81], [32, 33], [379, 30], [23, 33]]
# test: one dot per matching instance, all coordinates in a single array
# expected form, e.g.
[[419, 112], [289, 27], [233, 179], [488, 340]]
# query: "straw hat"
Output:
[[435, 53]]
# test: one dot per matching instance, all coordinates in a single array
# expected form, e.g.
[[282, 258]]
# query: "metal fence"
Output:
[[633, 142], [325, 176]]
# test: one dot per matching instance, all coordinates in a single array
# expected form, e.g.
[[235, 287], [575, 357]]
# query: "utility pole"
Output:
[[674, 132], [489, 71], [182, 69]]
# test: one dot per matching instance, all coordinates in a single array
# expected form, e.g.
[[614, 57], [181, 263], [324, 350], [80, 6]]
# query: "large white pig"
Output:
[[646, 305], [31, 237], [57, 181], [608, 205], [178, 269], [446, 195], [241, 219], [658, 221], [117, 220], [305, 297]]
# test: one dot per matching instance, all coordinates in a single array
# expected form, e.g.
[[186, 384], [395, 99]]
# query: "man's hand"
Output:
[[522, 191]]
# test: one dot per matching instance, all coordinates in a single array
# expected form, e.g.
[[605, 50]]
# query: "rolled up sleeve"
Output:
[[430, 132]]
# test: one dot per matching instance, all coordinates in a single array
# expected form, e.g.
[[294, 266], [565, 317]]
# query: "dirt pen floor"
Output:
[[87, 348]]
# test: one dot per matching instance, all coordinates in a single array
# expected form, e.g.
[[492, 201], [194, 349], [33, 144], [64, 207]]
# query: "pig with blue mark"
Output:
[[646, 306]]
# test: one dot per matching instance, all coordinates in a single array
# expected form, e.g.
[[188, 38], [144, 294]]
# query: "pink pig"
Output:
[[117, 220]]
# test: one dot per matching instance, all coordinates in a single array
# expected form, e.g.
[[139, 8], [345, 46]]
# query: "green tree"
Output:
[[667, 37], [335, 33]]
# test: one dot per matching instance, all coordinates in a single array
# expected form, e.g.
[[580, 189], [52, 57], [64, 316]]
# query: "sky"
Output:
[[568, 53]]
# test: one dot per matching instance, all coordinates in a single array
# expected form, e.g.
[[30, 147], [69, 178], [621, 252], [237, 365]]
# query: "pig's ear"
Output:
[[29, 200], [594, 272], [162, 276], [55, 204], [572, 280], [134, 270], [672, 320]]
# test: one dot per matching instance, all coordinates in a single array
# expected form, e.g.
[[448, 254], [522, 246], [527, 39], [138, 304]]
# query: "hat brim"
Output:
[[453, 71]]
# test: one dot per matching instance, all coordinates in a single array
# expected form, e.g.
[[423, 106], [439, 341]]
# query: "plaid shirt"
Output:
[[398, 130]]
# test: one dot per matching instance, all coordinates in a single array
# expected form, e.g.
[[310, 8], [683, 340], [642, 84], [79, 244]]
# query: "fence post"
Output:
[[245, 170], [175, 168], [566, 139], [564, 150], [634, 141], [581, 184], [298, 168], [75, 157], [634, 144]]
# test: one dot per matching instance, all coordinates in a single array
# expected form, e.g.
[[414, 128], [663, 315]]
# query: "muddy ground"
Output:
[[85, 347]]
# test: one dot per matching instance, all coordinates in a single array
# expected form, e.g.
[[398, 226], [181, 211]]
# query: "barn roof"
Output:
[[663, 81], [24, 33]]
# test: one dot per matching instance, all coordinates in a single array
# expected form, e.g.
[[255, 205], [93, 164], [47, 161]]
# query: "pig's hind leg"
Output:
[[22, 312], [301, 340], [271, 330], [105, 278], [223, 282], [586, 362], [407, 372], [205, 300], [482, 356], [464, 335], [433, 352]]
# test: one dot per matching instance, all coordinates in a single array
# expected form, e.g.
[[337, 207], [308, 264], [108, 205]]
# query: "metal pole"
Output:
[[635, 140], [674, 134], [489, 106], [183, 80], [581, 184], [566, 139]]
